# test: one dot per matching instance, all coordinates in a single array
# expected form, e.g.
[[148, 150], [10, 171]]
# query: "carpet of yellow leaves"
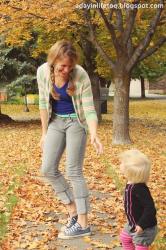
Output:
[[34, 219]]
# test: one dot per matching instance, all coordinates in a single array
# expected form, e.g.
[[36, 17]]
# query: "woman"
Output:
[[67, 112]]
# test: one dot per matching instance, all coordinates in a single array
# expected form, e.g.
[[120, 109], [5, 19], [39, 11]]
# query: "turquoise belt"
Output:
[[73, 115]]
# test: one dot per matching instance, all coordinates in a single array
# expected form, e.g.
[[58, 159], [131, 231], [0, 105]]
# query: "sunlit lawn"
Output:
[[20, 152]]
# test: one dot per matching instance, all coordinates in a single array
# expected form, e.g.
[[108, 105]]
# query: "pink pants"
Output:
[[127, 242]]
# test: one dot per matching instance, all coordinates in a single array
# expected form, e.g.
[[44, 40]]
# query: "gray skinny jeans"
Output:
[[66, 133]]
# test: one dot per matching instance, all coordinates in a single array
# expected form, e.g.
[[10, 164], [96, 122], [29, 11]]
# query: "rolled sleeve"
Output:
[[40, 82], [87, 100]]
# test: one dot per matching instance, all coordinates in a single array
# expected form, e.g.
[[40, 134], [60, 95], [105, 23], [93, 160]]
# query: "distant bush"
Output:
[[31, 99], [15, 100]]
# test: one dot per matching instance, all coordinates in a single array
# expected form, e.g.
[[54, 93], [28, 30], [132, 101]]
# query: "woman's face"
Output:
[[63, 67]]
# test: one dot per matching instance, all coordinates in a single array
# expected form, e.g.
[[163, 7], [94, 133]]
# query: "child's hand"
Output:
[[138, 229]]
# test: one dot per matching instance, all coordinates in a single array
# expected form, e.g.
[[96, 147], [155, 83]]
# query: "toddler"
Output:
[[141, 228]]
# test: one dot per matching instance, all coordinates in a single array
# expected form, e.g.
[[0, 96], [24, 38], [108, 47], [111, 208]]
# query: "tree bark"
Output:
[[142, 87], [26, 109], [127, 56], [90, 66], [121, 109], [96, 95]]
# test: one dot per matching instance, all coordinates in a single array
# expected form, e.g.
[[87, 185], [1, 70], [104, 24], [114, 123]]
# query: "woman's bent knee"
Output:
[[49, 171]]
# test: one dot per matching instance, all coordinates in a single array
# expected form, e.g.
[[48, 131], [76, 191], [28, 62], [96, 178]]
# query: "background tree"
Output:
[[49, 26], [8, 69], [130, 32], [18, 69], [121, 24], [150, 71]]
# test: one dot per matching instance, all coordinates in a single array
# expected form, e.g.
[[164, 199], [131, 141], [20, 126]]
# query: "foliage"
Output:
[[153, 67], [18, 68], [52, 22], [37, 212], [8, 65], [123, 37], [23, 84]]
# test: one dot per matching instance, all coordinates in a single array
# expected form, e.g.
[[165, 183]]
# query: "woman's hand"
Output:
[[138, 229], [41, 143], [97, 144]]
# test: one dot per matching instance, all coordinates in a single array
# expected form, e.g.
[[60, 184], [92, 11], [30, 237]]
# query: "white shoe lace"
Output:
[[73, 229]]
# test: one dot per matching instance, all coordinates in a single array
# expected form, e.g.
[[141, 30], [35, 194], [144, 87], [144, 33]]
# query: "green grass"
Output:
[[10, 198], [14, 101], [160, 243], [164, 153], [11, 201], [119, 183]]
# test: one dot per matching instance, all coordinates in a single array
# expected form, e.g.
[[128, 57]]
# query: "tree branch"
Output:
[[130, 48], [145, 42], [152, 50], [110, 28], [131, 14], [110, 14], [30, 13], [94, 40], [119, 17]]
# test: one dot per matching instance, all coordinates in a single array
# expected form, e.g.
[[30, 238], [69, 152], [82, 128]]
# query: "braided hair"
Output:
[[59, 50]]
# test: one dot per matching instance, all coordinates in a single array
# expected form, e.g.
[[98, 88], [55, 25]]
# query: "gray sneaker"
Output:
[[74, 231], [70, 223]]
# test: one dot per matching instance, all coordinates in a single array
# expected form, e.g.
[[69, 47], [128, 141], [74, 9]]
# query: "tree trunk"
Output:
[[90, 66], [142, 87], [26, 109], [96, 95], [121, 109]]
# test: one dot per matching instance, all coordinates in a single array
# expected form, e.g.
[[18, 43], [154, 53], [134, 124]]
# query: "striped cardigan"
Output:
[[82, 99]]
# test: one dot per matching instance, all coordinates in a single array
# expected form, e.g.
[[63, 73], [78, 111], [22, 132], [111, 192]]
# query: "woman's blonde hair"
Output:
[[59, 50], [136, 166]]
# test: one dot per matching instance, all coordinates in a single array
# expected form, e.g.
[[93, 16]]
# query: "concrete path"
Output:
[[98, 240]]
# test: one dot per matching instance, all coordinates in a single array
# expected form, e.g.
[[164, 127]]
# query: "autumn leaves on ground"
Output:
[[29, 210]]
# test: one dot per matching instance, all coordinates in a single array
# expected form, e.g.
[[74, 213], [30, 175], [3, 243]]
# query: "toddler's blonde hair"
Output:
[[136, 166]]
